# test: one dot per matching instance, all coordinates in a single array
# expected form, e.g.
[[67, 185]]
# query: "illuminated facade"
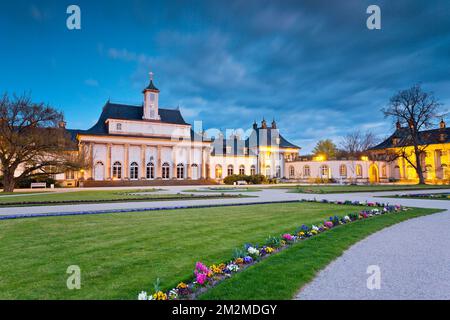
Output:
[[145, 144], [435, 159]]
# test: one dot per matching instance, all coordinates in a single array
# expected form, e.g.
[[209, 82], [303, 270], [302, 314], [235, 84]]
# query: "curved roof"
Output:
[[433, 136]]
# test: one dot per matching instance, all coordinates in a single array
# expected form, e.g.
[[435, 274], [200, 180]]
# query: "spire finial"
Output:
[[151, 75]]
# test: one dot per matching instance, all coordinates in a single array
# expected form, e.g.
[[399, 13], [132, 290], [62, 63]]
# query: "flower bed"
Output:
[[205, 277], [433, 196]]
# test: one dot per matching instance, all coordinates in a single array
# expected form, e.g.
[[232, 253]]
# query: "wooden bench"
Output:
[[38, 185]]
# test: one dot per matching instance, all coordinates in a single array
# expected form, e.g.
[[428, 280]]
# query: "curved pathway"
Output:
[[413, 259]]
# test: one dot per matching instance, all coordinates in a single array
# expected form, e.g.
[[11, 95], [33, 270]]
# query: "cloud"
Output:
[[91, 82]]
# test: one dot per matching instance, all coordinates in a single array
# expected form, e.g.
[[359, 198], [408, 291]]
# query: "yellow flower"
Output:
[[182, 285], [160, 296], [301, 234], [269, 249]]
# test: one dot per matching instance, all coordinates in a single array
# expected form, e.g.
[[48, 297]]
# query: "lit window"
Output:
[[218, 172], [324, 170], [252, 170], [291, 172], [343, 170], [241, 170], [118, 126], [359, 170]]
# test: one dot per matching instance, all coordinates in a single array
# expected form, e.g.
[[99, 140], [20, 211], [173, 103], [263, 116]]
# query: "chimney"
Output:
[[442, 124], [62, 124]]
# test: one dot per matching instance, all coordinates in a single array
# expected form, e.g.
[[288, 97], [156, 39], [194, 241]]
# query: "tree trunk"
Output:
[[8, 182], [419, 167]]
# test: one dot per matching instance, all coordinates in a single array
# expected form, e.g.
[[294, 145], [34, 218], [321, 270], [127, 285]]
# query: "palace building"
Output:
[[146, 144]]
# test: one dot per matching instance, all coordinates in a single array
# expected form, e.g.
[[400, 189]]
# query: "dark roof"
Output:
[[128, 112], [151, 86], [426, 137], [267, 137]]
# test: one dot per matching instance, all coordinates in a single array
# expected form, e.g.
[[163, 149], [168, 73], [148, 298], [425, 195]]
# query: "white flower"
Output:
[[143, 296], [347, 218], [315, 228], [233, 267], [253, 251]]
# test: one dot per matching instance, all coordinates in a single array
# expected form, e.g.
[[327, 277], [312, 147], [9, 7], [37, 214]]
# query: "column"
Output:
[[207, 161], [189, 163], [158, 163], [108, 161], [143, 163], [203, 172], [125, 162], [91, 154], [174, 162]]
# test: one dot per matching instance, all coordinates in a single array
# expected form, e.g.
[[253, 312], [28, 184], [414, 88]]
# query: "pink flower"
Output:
[[201, 278], [328, 224], [288, 237]]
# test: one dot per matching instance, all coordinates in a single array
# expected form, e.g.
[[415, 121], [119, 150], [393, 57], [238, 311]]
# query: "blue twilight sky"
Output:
[[312, 65]]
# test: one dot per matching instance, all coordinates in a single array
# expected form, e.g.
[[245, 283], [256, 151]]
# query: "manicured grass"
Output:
[[92, 197], [280, 276], [359, 188], [223, 190], [123, 253]]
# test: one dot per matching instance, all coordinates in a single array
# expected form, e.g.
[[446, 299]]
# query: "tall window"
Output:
[[383, 170], [180, 171], [230, 170], [359, 170], [267, 171], [278, 171], [291, 172], [218, 171], [306, 171], [252, 170], [117, 170], [134, 171], [241, 170], [343, 170], [70, 175], [324, 170], [150, 174], [165, 171]]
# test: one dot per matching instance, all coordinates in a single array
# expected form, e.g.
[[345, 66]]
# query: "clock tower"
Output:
[[151, 95]]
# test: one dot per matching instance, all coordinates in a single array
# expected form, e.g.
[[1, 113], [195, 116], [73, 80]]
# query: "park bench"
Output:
[[38, 185]]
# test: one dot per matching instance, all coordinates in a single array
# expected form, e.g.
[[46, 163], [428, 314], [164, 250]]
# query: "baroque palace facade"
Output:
[[145, 144], [148, 145]]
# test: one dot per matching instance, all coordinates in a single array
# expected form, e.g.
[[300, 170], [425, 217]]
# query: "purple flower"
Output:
[[248, 259]]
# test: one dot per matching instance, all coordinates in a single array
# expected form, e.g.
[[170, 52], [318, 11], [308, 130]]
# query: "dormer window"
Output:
[[394, 141], [277, 140], [118, 126], [245, 150], [228, 149]]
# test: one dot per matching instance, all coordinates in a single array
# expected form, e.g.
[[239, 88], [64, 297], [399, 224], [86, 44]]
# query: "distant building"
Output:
[[435, 160]]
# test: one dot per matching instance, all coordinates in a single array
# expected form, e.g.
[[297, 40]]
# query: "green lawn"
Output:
[[358, 188], [123, 253], [91, 196], [224, 190], [280, 276]]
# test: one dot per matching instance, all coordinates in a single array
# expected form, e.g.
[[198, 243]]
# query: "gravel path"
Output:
[[413, 257]]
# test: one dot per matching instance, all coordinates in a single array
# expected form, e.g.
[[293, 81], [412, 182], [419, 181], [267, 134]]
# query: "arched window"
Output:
[[180, 171], [278, 171], [165, 170], [359, 170], [306, 171], [218, 171], [230, 170], [241, 170], [134, 171], [252, 170], [117, 170], [445, 171], [397, 172], [267, 171], [291, 172], [343, 170], [194, 170], [150, 171], [324, 170], [383, 170]]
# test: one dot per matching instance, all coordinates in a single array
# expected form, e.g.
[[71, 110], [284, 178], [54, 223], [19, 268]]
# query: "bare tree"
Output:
[[356, 143], [33, 142], [414, 110]]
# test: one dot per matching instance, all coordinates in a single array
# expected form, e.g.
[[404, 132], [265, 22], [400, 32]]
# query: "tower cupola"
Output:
[[151, 97], [442, 124]]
